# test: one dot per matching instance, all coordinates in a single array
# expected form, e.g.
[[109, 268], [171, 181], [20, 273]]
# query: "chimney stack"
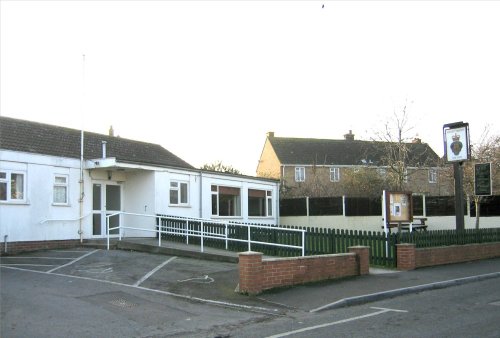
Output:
[[270, 134], [349, 137], [104, 149], [111, 131]]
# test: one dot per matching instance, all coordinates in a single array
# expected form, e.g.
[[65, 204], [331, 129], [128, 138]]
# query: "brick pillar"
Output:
[[405, 254], [250, 266], [362, 257]]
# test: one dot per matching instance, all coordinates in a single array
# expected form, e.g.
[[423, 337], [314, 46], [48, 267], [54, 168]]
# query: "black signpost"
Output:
[[456, 151], [482, 179]]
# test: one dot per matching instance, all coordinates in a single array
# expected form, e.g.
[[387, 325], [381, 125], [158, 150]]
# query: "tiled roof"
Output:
[[307, 151], [38, 138]]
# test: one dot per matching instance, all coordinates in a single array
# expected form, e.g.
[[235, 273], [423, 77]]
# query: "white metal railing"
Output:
[[64, 219], [204, 232]]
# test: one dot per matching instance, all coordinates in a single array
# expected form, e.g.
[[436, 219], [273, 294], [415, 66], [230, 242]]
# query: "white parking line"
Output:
[[73, 261], [28, 264], [311, 328], [36, 257], [150, 273]]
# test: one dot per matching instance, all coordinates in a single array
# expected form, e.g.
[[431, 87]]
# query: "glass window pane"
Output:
[[3, 175], [96, 224], [214, 204], [16, 186], [3, 191], [269, 207], [60, 179], [174, 197], [96, 197], [184, 193], [113, 197], [60, 194]]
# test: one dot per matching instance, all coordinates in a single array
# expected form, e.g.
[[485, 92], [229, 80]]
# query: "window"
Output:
[[382, 172], [226, 201], [12, 187], [178, 193], [300, 174], [432, 176], [60, 194], [334, 174], [405, 175], [260, 202]]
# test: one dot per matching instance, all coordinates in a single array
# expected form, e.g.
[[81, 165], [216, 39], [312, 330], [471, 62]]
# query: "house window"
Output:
[[260, 202], [432, 176], [300, 174], [60, 194], [334, 174], [226, 201], [12, 186], [405, 176], [382, 172], [178, 193]]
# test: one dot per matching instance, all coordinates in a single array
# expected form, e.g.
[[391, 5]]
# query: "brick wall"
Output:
[[409, 257], [17, 247], [257, 275]]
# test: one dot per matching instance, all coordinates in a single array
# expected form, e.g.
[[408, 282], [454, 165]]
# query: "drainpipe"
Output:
[[201, 194], [82, 193]]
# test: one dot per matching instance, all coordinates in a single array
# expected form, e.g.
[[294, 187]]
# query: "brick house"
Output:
[[326, 167]]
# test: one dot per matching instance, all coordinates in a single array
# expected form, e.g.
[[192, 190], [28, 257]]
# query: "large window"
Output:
[[260, 202], [60, 195], [300, 174], [179, 193], [226, 201], [12, 186], [334, 174]]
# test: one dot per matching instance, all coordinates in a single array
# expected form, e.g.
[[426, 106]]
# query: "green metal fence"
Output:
[[332, 241]]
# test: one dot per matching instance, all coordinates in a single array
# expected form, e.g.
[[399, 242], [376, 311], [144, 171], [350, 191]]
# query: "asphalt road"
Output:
[[96, 293], [469, 310]]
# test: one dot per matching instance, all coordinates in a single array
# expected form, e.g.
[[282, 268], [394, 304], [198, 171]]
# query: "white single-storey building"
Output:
[[59, 184]]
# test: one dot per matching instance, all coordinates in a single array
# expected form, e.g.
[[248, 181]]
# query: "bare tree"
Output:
[[220, 167]]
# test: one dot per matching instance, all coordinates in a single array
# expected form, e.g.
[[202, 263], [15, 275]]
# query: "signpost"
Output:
[[456, 151], [482, 179]]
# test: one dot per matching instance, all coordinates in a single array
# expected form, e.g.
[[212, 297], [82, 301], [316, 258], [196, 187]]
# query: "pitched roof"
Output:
[[308, 151], [39, 138]]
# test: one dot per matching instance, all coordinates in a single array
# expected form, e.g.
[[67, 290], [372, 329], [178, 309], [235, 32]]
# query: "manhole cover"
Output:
[[122, 303]]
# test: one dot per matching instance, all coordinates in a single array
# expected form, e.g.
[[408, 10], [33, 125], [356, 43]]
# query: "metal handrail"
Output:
[[201, 233], [64, 219]]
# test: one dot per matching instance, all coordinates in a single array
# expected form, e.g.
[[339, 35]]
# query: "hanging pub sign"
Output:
[[456, 142]]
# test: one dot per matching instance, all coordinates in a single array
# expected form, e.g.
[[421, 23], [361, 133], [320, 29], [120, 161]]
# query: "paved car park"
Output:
[[90, 293]]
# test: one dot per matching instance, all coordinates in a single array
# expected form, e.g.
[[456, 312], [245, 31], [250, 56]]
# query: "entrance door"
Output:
[[106, 200]]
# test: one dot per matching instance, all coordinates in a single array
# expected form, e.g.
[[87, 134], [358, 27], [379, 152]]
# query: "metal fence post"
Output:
[[226, 234], [249, 241], [202, 236]]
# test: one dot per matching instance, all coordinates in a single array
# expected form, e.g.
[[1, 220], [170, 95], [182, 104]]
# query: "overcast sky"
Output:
[[208, 79]]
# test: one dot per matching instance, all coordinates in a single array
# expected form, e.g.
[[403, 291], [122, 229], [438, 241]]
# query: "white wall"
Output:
[[22, 222], [374, 223]]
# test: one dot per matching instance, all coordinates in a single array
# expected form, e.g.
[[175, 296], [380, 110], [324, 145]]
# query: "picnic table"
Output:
[[418, 224]]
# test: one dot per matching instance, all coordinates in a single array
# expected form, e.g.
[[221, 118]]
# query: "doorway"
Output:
[[106, 200]]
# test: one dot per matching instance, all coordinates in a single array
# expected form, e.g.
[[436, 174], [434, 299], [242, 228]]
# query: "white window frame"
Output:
[[268, 203], [60, 184], [215, 189], [300, 174], [433, 175], [8, 186], [177, 187], [334, 174]]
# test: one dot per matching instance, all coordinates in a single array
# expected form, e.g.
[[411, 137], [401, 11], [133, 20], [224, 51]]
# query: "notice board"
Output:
[[399, 207]]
